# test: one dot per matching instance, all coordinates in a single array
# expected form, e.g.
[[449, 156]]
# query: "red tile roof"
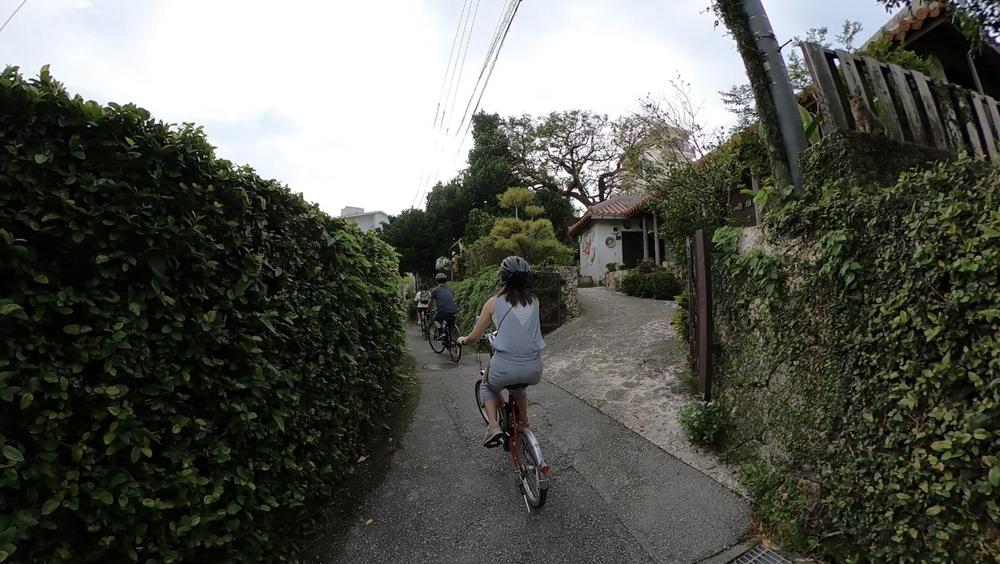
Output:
[[622, 206], [913, 17]]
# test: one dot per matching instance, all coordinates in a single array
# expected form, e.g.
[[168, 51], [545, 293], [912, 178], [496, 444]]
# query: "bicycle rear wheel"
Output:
[[436, 346], [533, 483]]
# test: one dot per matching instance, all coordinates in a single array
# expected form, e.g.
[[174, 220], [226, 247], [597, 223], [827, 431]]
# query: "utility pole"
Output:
[[786, 109]]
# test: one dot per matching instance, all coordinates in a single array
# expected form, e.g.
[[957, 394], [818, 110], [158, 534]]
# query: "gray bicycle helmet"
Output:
[[514, 267], [441, 277]]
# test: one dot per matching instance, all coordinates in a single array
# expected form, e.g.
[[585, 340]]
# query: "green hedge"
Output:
[[192, 356], [658, 285], [863, 359]]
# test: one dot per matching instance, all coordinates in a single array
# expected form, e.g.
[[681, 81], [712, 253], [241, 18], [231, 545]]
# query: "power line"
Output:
[[490, 62], [457, 78], [447, 70], [463, 25], [502, 23], [488, 75], [438, 118], [12, 14]]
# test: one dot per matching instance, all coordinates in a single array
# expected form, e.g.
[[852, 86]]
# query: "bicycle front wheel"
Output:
[[532, 474], [455, 351]]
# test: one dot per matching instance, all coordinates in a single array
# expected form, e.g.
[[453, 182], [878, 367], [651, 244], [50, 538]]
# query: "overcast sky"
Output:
[[337, 98]]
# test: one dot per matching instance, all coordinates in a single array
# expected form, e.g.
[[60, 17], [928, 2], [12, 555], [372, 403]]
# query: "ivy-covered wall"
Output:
[[859, 362]]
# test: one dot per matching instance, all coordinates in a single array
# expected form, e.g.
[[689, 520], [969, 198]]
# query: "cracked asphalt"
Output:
[[613, 497]]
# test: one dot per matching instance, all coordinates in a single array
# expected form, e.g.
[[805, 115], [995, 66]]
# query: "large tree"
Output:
[[448, 208], [491, 165], [558, 210], [411, 234], [581, 154]]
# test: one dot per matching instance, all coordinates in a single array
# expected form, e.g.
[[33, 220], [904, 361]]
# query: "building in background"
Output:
[[612, 232], [364, 220]]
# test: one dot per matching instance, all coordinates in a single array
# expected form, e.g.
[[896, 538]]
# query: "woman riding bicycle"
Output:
[[517, 345]]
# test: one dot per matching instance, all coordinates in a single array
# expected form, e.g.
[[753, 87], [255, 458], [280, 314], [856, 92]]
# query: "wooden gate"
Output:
[[548, 287], [700, 330]]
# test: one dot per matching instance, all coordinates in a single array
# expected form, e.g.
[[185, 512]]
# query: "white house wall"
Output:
[[369, 221], [594, 251]]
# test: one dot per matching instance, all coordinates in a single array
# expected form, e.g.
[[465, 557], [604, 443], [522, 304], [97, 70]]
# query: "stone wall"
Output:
[[613, 280], [568, 292]]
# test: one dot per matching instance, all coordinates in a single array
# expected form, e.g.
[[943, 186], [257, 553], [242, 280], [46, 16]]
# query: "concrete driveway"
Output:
[[623, 357]]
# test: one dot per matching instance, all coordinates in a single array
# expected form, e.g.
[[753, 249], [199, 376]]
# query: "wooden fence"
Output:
[[862, 94], [701, 334]]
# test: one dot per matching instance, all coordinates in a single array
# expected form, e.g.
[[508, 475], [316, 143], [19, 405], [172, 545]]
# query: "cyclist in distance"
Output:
[[423, 300], [444, 304], [517, 345]]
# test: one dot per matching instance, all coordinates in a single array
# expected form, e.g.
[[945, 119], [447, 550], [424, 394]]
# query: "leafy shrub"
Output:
[[658, 285], [662, 285], [702, 422], [682, 299], [695, 195], [534, 240], [612, 266], [192, 355], [680, 317], [647, 266], [887, 51], [632, 283], [471, 293], [779, 502], [881, 329], [680, 322]]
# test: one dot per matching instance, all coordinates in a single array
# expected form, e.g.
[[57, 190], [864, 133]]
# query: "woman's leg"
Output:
[[488, 395], [491, 412]]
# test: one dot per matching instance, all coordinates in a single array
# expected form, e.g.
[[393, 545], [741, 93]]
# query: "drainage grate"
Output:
[[437, 367], [761, 555]]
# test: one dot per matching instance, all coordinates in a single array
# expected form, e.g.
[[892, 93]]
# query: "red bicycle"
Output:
[[518, 440]]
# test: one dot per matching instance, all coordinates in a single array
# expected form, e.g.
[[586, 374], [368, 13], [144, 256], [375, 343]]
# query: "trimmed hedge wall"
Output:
[[192, 356], [860, 361]]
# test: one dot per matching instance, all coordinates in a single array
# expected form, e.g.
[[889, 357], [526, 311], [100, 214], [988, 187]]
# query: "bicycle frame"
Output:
[[508, 408], [515, 432]]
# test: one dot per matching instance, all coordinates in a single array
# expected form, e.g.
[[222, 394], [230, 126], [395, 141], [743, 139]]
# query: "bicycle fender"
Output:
[[536, 448]]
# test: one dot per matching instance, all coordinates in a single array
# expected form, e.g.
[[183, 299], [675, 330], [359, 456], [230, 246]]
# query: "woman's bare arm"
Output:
[[485, 318]]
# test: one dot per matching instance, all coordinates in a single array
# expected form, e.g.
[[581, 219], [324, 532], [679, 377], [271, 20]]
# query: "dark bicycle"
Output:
[[525, 450], [446, 338], [425, 329]]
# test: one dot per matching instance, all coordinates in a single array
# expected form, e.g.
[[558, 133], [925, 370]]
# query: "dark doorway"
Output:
[[631, 248]]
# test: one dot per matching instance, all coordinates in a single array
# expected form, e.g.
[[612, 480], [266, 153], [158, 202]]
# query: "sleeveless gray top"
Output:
[[519, 331]]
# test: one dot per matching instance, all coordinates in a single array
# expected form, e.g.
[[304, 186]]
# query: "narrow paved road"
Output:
[[614, 497]]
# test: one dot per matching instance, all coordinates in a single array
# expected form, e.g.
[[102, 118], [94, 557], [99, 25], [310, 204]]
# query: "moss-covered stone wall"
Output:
[[859, 367]]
